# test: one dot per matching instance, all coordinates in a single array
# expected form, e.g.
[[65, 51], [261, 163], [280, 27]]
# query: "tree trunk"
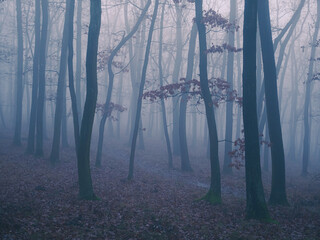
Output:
[[79, 58], [307, 100], [84, 174], [42, 79], [175, 79], [54, 156], [229, 112], [19, 87], [75, 114], [111, 80], [278, 185], [185, 162], [35, 81], [163, 106], [214, 194], [256, 206], [143, 80]]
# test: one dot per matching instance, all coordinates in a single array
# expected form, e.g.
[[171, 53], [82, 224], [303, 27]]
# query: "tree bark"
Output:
[[214, 194], [278, 185], [84, 174], [256, 207]]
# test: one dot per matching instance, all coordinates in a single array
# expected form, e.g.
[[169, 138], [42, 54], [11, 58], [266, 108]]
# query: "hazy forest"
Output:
[[160, 119]]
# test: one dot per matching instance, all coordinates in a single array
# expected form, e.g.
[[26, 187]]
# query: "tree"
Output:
[[84, 174], [307, 100], [256, 206], [74, 106], [55, 150], [214, 194], [229, 112], [113, 53], [35, 80], [143, 80], [278, 186], [163, 106], [79, 53], [42, 78], [19, 94], [185, 162]]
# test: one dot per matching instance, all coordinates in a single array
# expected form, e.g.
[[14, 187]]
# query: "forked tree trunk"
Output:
[[143, 80], [256, 207], [111, 80]]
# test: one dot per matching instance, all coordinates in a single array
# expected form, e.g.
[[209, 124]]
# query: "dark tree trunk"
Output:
[[55, 150], [278, 185], [79, 60], [307, 100], [42, 79], [163, 106], [185, 162], [84, 174], [143, 80], [256, 206], [229, 112], [214, 194], [35, 81], [111, 80], [75, 114], [19, 93]]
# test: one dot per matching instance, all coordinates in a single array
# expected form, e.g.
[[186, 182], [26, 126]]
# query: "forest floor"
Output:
[[38, 201]]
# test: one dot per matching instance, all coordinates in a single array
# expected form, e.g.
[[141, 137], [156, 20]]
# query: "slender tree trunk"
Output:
[[111, 80], [19, 87], [42, 79], [84, 174], [214, 194], [55, 150], [175, 79], [256, 206], [185, 162], [307, 100], [229, 112], [163, 107], [79, 58], [74, 102], [35, 81], [143, 80], [278, 185]]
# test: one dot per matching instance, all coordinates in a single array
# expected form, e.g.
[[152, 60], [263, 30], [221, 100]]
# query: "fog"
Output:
[[166, 116]]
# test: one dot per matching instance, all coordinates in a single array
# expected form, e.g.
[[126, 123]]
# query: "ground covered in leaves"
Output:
[[38, 201]]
